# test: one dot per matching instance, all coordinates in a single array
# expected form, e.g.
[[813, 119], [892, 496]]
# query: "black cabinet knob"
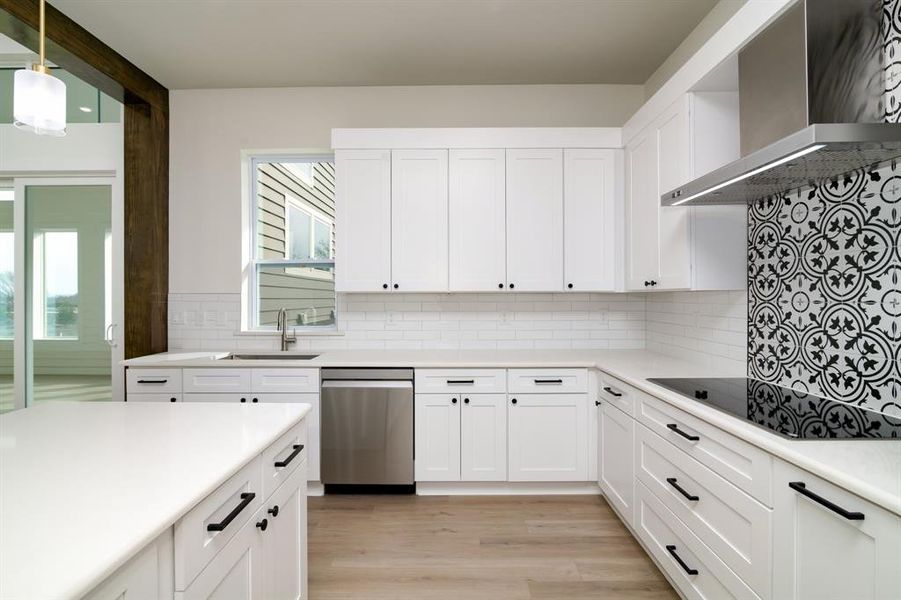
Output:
[[273, 511], [453, 400], [384, 286], [465, 400], [263, 524], [653, 283], [396, 286], [513, 401], [597, 402], [255, 400], [500, 286], [647, 283], [511, 286], [171, 399], [569, 285], [243, 399]]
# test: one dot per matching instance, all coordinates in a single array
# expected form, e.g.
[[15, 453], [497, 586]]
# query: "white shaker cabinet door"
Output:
[[673, 163], [483, 437], [419, 220], [829, 544], [642, 212], [363, 224], [535, 220], [591, 235], [285, 539], [477, 220], [437, 437], [548, 437], [615, 467]]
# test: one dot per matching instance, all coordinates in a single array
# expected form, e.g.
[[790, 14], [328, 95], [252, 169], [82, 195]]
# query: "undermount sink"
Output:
[[280, 356]]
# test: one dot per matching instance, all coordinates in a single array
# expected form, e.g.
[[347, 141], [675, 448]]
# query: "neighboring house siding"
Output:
[[308, 295]]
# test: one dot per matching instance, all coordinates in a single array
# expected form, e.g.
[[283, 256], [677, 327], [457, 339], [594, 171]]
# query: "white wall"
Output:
[[210, 128]]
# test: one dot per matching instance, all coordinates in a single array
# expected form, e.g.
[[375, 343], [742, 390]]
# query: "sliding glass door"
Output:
[[67, 279]]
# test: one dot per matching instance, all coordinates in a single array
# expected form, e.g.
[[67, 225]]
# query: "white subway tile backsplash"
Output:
[[706, 325]]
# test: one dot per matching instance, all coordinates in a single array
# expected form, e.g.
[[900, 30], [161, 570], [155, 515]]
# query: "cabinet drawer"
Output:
[[285, 380], [283, 456], [745, 466], [551, 381], [154, 397], [227, 509], [311, 452], [463, 381], [618, 394], [670, 541], [735, 526], [216, 380], [220, 397], [152, 381]]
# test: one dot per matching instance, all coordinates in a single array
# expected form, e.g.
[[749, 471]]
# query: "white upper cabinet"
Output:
[[535, 220], [363, 204], [674, 249], [419, 220], [476, 215], [642, 211], [678, 247], [591, 234]]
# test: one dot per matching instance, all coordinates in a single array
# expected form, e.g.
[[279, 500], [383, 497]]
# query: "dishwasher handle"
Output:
[[353, 383]]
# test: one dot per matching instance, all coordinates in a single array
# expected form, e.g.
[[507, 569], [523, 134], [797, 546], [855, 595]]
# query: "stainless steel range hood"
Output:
[[811, 91]]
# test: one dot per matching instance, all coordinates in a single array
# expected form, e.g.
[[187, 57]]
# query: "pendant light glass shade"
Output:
[[39, 103]]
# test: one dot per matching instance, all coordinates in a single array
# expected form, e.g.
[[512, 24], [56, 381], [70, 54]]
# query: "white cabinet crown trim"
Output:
[[477, 137]]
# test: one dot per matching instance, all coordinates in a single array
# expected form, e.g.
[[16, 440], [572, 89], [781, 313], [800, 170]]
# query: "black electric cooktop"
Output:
[[786, 412]]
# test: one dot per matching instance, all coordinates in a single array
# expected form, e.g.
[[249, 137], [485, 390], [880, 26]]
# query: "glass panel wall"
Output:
[[7, 296]]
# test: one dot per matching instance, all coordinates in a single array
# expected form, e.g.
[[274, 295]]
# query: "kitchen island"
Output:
[[157, 500]]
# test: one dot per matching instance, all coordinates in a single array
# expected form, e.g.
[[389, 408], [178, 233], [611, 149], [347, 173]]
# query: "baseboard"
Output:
[[315, 488], [505, 488]]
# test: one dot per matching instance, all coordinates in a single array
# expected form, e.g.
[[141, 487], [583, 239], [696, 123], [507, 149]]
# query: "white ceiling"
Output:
[[273, 43]]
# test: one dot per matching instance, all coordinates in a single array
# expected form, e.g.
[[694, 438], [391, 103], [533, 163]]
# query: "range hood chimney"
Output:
[[811, 104]]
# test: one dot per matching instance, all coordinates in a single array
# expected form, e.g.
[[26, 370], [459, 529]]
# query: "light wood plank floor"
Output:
[[474, 548]]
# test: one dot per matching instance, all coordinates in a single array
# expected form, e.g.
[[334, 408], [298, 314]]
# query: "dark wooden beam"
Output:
[[76, 50], [146, 147]]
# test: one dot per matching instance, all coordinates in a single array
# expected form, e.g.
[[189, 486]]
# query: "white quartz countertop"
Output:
[[871, 469], [85, 486]]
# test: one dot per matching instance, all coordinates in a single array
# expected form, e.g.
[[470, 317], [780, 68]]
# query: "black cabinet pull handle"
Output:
[[675, 428], [246, 498], [513, 401], [613, 392], [273, 511], [801, 488], [263, 524], [298, 448], [548, 381], [460, 381], [672, 481], [465, 400], [686, 568], [164, 380]]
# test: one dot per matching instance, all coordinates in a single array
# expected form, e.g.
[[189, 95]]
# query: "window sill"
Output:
[[325, 331]]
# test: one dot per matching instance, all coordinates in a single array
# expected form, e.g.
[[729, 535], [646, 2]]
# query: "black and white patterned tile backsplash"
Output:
[[824, 289]]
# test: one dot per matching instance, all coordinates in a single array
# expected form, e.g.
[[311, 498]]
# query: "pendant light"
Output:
[[39, 101]]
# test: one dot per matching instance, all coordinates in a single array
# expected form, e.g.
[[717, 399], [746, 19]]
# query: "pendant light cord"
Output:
[[41, 33]]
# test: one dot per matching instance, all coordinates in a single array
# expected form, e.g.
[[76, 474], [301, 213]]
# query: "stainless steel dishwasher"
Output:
[[367, 430]]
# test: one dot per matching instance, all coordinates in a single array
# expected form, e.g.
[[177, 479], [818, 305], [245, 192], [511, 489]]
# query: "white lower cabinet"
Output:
[[284, 541], [436, 435], [147, 575], [615, 471], [313, 458], [548, 437], [692, 567], [830, 544], [483, 437]]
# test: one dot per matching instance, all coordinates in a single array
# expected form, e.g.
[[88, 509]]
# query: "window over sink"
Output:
[[293, 241]]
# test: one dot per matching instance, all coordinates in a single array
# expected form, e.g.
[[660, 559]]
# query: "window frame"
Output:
[[254, 263], [12, 233]]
